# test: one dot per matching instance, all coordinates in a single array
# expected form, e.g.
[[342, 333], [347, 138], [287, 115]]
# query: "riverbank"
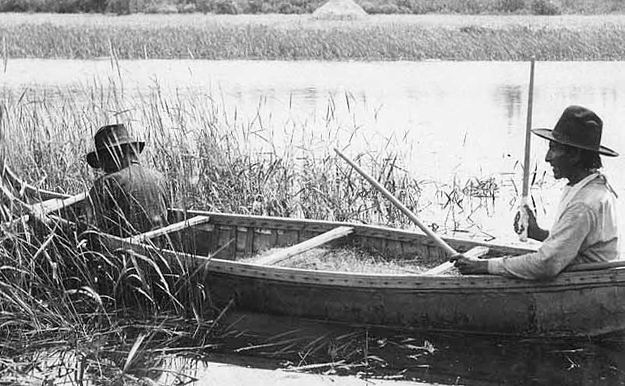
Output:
[[536, 7], [300, 37]]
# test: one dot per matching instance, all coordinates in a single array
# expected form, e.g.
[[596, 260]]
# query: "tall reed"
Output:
[[57, 290], [209, 158]]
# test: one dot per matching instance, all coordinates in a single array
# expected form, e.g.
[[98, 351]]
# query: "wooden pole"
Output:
[[5, 53], [197, 220], [440, 242], [526, 160]]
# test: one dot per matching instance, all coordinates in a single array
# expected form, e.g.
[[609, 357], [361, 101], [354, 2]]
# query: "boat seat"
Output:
[[168, 229], [54, 204]]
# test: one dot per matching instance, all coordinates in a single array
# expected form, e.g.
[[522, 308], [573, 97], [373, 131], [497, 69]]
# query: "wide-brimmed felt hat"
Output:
[[110, 137], [578, 127]]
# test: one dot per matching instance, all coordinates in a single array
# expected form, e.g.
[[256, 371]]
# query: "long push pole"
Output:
[[526, 161], [440, 242]]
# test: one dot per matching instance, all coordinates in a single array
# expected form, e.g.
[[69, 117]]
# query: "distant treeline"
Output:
[[536, 7]]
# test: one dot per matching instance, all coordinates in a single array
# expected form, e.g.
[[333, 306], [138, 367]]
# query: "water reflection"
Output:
[[511, 98], [431, 358]]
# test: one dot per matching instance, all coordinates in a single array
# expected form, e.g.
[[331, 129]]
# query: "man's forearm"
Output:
[[538, 234]]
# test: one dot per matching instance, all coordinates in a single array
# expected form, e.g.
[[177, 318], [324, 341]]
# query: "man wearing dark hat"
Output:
[[585, 228], [128, 199]]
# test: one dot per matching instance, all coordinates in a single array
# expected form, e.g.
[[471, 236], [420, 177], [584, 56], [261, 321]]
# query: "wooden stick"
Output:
[[526, 161], [440, 242], [473, 252], [54, 204], [42, 209], [307, 245], [168, 229], [528, 134], [5, 53]]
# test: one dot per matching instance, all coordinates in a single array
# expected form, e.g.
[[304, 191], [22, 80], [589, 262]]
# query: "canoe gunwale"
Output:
[[413, 282], [363, 230]]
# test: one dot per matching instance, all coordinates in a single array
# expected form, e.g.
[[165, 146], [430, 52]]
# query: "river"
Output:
[[446, 120]]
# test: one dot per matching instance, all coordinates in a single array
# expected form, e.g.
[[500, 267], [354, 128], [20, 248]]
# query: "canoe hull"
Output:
[[555, 309], [575, 304]]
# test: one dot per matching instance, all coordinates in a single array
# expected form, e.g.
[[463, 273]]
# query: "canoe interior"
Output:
[[238, 237]]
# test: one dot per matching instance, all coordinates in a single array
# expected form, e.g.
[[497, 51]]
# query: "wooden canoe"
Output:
[[575, 304], [580, 303]]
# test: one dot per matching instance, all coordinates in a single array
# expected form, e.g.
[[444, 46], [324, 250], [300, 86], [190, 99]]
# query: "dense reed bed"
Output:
[[218, 160], [70, 314], [293, 37]]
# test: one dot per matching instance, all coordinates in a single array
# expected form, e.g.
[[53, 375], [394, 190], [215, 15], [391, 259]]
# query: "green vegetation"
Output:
[[536, 7], [272, 37]]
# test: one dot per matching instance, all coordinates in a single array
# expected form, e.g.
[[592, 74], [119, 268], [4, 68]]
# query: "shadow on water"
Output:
[[279, 342], [258, 341]]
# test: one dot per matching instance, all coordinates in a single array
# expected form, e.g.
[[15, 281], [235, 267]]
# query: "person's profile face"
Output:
[[559, 157]]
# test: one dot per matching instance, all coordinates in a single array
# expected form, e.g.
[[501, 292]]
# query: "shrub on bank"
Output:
[[537, 7], [544, 7]]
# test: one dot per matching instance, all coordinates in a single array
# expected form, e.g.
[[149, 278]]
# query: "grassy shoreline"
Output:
[[463, 7], [299, 37]]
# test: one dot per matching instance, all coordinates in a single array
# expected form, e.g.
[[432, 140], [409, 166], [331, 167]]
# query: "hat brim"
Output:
[[548, 134], [93, 158]]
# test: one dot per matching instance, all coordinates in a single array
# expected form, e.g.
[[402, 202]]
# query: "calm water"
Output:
[[433, 359], [447, 120]]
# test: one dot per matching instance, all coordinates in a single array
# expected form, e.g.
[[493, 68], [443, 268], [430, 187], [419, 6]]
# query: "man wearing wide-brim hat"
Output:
[[128, 198], [585, 228]]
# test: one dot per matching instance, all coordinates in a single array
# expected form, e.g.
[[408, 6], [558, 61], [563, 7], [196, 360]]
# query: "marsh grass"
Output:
[[290, 37], [73, 312], [210, 162], [106, 309]]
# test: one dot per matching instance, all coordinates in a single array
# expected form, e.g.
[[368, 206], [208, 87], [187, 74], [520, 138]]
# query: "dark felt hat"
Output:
[[108, 138], [578, 127]]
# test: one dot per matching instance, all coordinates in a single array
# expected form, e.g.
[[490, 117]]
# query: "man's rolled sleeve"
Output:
[[556, 252]]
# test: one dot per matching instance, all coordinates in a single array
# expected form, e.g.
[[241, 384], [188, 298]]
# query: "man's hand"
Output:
[[533, 230], [470, 265], [531, 220]]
